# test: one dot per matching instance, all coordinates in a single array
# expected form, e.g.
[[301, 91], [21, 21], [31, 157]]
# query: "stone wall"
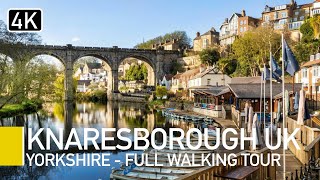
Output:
[[190, 62]]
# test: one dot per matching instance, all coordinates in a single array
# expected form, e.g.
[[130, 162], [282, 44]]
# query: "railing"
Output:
[[236, 116], [210, 173], [307, 139]]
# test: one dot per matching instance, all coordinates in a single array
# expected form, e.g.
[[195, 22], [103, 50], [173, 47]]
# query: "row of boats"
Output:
[[171, 113], [167, 170]]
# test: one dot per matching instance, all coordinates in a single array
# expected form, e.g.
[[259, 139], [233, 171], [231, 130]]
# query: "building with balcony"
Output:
[[309, 75], [236, 25]]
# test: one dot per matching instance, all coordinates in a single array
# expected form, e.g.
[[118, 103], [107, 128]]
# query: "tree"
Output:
[[59, 87], [252, 50], [17, 74], [161, 91], [209, 56], [315, 23], [176, 67], [136, 72], [227, 65], [184, 40], [309, 43]]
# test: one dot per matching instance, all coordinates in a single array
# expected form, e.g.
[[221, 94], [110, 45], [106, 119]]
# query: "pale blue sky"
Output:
[[126, 22]]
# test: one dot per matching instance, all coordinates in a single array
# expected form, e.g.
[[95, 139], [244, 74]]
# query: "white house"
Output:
[[229, 30], [166, 81], [207, 78]]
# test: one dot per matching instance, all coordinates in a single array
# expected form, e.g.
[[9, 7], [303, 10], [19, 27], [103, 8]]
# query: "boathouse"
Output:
[[213, 101]]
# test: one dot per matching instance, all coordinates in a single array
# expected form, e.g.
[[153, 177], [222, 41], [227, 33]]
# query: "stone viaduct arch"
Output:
[[159, 60]]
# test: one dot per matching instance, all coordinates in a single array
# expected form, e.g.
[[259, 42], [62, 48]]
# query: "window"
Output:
[[307, 11], [244, 29], [241, 29], [266, 18], [283, 14], [316, 70], [304, 73], [205, 43], [208, 81], [296, 13], [295, 19], [244, 22], [241, 22], [301, 18]]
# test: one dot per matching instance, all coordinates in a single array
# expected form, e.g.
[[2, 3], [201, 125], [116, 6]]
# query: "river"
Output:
[[79, 116]]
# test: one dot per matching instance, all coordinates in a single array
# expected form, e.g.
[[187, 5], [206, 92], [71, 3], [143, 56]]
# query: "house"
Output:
[[252, 93], [229, 30], [206, 40], [180, 80], [289, 16], [172, 45], [247, 23], [207, 77], [166, 81], [309, 75], [212, 101], [278, 16], [236, 25], [82, 85], [92, 71]]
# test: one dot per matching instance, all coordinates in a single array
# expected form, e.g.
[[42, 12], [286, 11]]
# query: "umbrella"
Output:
[[237, 104], [301, 108], [246, 112], [306, 111], [231, 100], [296, 101], [255, 125], [286, 103], [279, 112], [250, 118]]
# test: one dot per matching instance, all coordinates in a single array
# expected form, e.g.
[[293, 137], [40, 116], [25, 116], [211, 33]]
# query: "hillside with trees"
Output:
[[184, 40]]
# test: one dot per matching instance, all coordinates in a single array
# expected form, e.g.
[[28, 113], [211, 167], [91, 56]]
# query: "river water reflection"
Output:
[[79, 116]]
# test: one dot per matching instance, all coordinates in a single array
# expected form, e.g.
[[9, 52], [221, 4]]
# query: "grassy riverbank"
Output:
[[10, 110]]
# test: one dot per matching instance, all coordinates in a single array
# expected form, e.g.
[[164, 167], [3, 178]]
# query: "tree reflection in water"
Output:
[[80, 115]]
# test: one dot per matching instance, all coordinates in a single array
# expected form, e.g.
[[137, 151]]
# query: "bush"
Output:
[[161, 91]]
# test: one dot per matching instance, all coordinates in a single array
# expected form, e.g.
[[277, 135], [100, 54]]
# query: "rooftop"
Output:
[[252, 91], [214, 90]]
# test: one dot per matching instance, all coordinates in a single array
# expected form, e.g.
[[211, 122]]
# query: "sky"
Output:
[[125, 23]]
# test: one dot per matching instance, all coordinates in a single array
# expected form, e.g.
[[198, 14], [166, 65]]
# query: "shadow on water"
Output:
[[70, 115]]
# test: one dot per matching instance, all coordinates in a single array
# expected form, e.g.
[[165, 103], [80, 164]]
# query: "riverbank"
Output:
[[26, 107], [181, 105]]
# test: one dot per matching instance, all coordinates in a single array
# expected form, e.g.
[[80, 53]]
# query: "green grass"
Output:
[[10, 110]]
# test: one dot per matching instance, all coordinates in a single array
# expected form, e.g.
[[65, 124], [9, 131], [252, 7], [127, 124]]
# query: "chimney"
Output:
[[243, 13], [167, 41], [226, 20], [198, 34]]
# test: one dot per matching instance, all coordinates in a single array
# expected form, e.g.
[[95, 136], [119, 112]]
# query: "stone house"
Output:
[[171, 45], [247, 23], [236, 25], [289, 16], [180, 80], [206, 40]]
